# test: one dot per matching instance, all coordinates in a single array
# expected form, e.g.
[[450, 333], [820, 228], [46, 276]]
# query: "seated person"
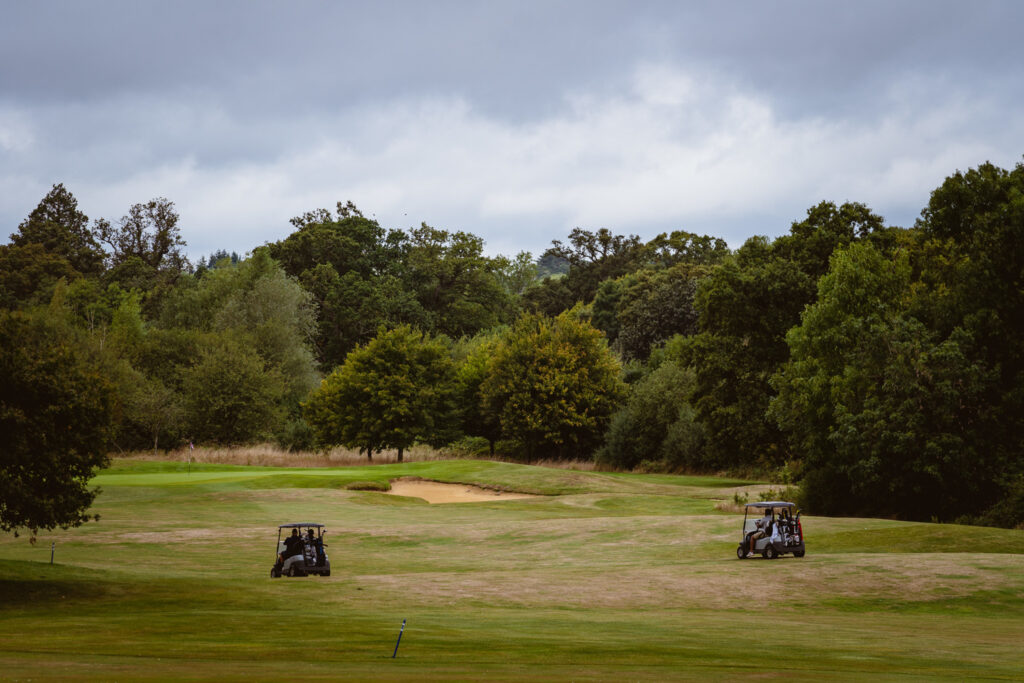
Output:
[[764, 526], [292, 545]]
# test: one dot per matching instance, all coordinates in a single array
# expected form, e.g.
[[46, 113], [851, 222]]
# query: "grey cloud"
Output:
[[515, 121], [512, 57]]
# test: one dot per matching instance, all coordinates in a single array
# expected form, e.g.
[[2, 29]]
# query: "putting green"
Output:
[[602, 577]]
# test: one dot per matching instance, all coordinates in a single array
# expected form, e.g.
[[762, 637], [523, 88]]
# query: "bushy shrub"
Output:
[[656, 428], [1008, 513], [296, 435]]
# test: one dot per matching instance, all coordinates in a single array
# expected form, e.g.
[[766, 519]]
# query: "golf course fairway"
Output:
[[601, 577]]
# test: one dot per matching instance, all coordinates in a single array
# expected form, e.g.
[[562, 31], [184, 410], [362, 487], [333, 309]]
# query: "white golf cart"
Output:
[[301, 553], [772, 530]]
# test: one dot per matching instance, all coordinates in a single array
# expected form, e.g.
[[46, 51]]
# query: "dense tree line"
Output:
[[879, 367]]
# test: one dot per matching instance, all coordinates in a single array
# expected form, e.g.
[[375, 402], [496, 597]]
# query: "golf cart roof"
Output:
[[300, 524], [772, 504]]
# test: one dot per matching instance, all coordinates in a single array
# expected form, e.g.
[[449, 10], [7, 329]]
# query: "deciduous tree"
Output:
[[473, 370], [457, 287], [595, 256], [554, 386], [28, 274], [747, 305], [656, 425], [390, 393], [148, 232], [230, 395], [888, 415], [255, 298], [56, 411]]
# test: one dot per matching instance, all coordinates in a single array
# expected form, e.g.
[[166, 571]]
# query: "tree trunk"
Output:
[[399, 454], [491, 442]]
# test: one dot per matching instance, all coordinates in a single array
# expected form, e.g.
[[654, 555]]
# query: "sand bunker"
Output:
[[436, 492]]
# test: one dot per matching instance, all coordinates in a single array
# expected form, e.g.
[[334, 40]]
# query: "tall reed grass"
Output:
[[270, 455]]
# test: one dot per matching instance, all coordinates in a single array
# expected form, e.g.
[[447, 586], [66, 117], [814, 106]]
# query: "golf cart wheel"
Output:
[[741, 552], [798, 553], [770, 553], [292, 571], [275, 572], [326, 573]]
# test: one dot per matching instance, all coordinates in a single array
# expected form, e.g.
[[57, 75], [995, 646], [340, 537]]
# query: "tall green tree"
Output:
[[549, 297], [516, 274], [151, 411], [885, 411], [746, 306], [595, 256], [394, 391], [149, 232], [554, 386], [62, 230], [351, 308], [458, 288], [254, 298], [56, 410], [146, 251], [348, 241], [679, 246], [977, 219], [29, 273], [352, 267], [655, 306], [472, 371], [230, 395]]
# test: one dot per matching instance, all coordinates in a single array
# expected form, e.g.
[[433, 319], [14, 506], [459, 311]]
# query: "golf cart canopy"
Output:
[[772, 504], [302, 524]]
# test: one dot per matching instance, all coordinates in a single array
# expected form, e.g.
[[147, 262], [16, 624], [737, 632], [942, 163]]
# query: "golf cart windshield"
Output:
[[753, 511]]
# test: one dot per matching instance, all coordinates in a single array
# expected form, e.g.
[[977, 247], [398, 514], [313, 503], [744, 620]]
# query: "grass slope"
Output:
[[606, 577]]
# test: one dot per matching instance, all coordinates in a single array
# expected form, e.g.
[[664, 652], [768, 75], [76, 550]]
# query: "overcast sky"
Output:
[[516, 121]]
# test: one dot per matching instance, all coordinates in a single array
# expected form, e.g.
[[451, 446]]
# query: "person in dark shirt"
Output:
[[292, 545]]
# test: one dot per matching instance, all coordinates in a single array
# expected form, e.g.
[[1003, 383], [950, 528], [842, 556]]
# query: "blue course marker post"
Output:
[[395, 654]]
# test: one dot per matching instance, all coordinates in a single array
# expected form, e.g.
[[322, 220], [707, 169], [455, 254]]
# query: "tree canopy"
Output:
[[56, 411], [554, 385], [880, 368], [62, 230], [397, 389]]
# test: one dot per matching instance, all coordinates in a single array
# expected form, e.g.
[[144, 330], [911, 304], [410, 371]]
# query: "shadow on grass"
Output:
[[35, 584]]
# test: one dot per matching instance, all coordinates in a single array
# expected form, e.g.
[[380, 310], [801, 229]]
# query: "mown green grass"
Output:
[[604, 577]]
